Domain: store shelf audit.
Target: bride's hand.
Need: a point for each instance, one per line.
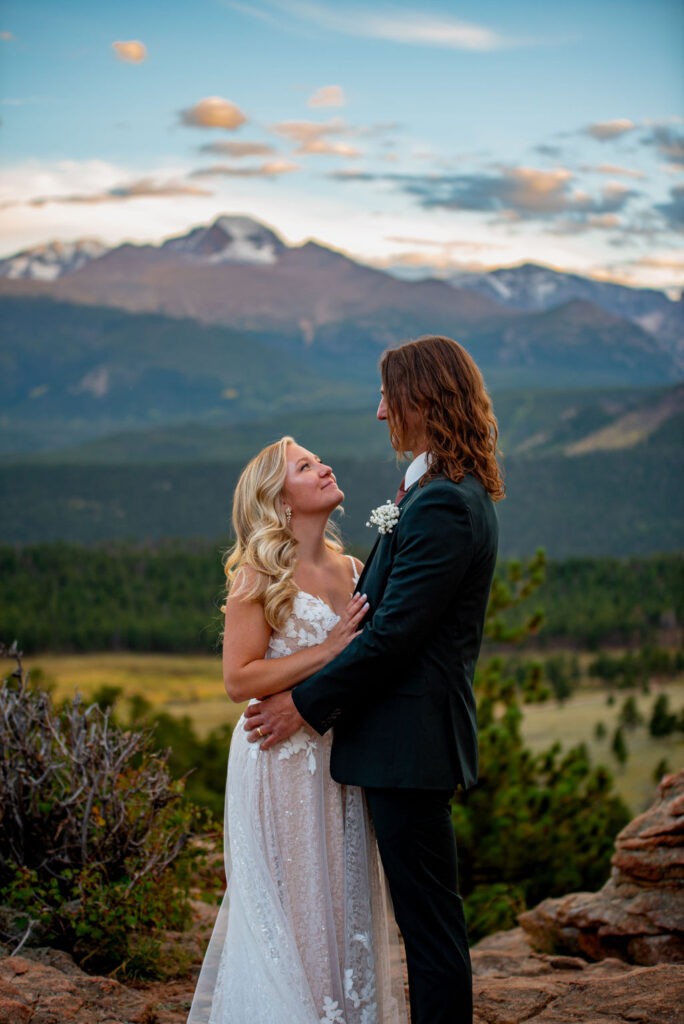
(344, 631)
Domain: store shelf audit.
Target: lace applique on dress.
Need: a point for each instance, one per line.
(302, 740)
(308, 625)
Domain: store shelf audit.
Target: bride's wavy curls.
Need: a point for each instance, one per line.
(263, 538)
(436, 378)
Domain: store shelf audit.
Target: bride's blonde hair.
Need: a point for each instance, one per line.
(263, 538)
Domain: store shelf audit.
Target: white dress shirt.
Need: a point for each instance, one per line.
(416, 469)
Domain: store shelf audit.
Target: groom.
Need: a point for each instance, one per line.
(401, 694)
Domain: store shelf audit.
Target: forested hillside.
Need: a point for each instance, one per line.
(603, 503)
(167, 596)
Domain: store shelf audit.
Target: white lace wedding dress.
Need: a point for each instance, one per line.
(305, 933)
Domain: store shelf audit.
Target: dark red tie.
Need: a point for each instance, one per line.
(401, 493)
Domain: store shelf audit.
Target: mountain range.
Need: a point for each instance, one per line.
(134, 378)
(532, 288)
(228, 323)
(239, 272)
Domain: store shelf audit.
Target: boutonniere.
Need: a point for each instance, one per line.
(385, 517)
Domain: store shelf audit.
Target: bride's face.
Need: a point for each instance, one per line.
(310, 485)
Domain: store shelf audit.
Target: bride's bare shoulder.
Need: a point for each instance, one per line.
(246, 585)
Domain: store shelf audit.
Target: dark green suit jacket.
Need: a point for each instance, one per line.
(401, 695)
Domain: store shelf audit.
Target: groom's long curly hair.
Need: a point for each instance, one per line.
(435, 379)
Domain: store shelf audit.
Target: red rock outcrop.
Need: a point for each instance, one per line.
(638, 915)
(513, 984)
(46, 987)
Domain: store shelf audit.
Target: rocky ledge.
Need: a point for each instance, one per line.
(588, 958)
(638, 915)
(512, 984)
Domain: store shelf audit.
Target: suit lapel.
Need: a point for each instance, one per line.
(411, 493)
(359, 585)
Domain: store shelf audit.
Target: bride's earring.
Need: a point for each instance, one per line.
(288, 515)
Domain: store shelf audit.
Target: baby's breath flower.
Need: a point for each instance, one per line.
(385, 517)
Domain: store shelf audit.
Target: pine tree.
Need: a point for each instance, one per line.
(536, 825)
(662, 723)
(619, 747)
(630, 716)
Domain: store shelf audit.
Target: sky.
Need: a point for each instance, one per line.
(436, 137)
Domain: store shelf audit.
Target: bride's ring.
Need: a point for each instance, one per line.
(259, 731)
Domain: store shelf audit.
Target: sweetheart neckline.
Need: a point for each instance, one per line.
(307, 593)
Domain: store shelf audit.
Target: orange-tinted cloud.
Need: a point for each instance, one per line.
(310, 136)
(6, 35)
(133, 51)
(213, 112)
(661, 262)
(620, 172)
(604, 130)
(269, 169)
(140, 189)
(237, 149)
(512, 193)
(323, 147)
(327, 96)
(302, 131)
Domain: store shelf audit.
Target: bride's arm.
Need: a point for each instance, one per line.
(247, 673)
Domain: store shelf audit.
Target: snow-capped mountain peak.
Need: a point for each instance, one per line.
(50, 261)
(229, 239)
(532, 288)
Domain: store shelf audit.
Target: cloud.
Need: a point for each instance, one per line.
(548, 150)
(460, 243)
(304, 131)
(213, 112)
(661, 262)
(411, 27)
(512, 194)
(594, 221)
(133, 51)
(624, 172)
(252, 11)
(323, 147)
(140, 189)
(604, 130)
(237, 149)
(516, 192)
(270, 169)
(673, 212)
(351, 174)
(668, 141)
(327, 96)
(6, 36)
(310, 136)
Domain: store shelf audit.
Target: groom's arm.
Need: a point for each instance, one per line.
(434, 550)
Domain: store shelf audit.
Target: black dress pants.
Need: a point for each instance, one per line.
(418, 850)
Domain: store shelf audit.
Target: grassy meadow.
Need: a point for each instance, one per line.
(574, 721)
(192, 685)
(181, 684)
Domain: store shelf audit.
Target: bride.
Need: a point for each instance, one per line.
(305, 933)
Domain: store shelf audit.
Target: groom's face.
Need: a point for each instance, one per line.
(415, 439)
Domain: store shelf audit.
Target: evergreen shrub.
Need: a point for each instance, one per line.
(93, 831)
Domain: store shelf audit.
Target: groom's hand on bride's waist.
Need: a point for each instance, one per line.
(272, 720)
